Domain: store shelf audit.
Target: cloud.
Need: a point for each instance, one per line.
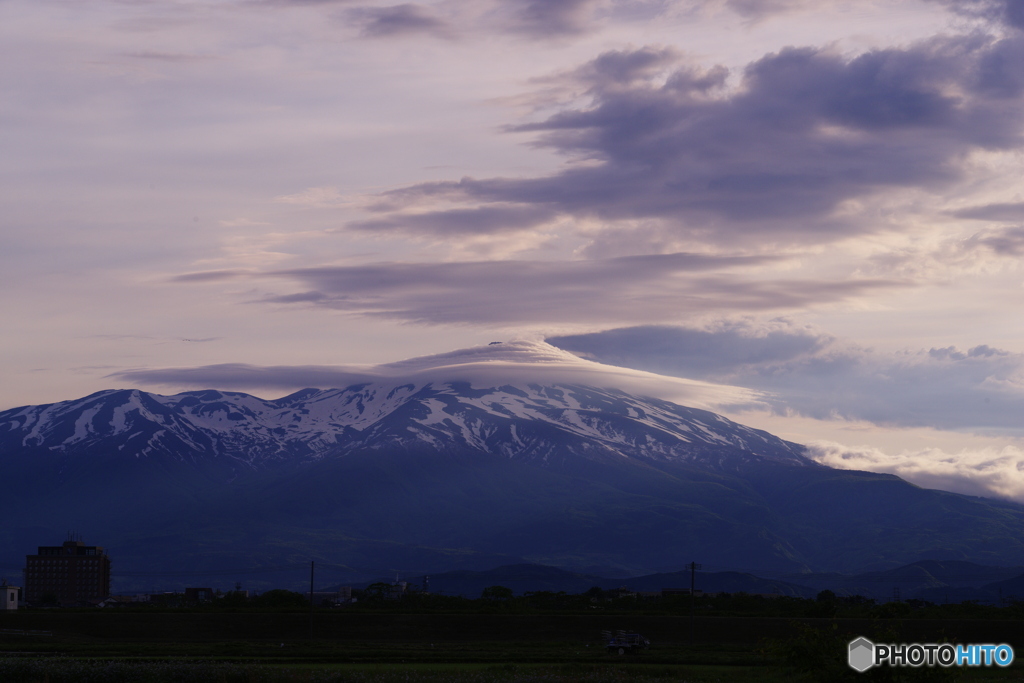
(209, 276)
(1009, 13)
(626, 67)
(514, 362)
(549, 18)
(243, 376)
(757, 9)
(1011, 211)
(170, 56)
(777, 156)
(314, 197)
(300, 3)
(482, 220)
(633, 288)
(695, 352)
(1005, 242)
(986, 472)
(807, 373)
(399, 20)
(531, 19)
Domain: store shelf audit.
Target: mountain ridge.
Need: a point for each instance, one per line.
(421, 472)
(312, 422)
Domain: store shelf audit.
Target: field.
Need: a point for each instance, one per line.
(111, 647)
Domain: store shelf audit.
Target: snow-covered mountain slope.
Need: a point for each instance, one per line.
(515, 421)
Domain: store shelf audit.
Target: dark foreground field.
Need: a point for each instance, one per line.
(115, 647)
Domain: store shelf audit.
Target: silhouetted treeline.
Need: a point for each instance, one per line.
(501, 600)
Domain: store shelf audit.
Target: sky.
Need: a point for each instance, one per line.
(817, 206)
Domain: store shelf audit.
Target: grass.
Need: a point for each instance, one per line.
(73, 670)
(113, 647)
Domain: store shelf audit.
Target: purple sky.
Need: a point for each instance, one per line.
(820, 202)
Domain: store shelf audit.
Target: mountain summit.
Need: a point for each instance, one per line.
(504, 452)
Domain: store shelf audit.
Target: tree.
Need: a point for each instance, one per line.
(377, 592)
(496, 593)
(279, 598)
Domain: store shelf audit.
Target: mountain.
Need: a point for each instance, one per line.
(528, 423)
(454, 468)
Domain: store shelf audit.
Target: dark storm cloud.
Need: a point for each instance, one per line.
(806, 130)
(806, 373)
(398, 20)
(636, 289)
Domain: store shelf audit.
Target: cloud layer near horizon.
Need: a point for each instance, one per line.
(987, 472)
(804, 372)
(515, 362)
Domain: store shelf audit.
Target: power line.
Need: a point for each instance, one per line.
(693, 567)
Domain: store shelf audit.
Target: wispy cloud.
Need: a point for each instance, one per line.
(1000, 211)
(315, 197)
(399, 20)
(1005, 242)
(549, 18)
(209, 276)
(244, 376)
(476, 221)
(636, 288)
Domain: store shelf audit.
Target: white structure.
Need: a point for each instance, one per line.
(9, 596)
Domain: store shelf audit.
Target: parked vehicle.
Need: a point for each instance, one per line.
(624, 642)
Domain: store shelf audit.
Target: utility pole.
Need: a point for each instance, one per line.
(311, 566)
(693, 570)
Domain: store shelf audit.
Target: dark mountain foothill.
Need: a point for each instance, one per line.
(429, 477)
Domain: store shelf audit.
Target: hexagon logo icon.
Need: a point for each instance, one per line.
(862, 654)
